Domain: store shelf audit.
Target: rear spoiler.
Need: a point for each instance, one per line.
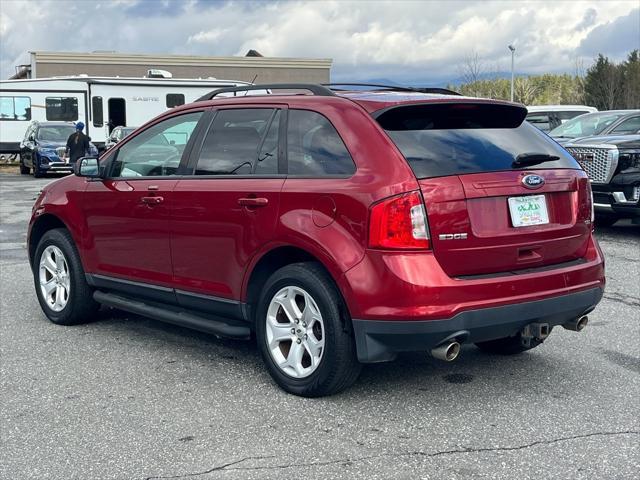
(451, 115)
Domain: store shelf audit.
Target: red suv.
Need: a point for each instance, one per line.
(339, 227)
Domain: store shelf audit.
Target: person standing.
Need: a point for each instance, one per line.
(77, 144)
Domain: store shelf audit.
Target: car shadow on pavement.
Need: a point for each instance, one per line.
(475, 372)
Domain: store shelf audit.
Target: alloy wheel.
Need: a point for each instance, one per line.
(55, 281)
(295, 332)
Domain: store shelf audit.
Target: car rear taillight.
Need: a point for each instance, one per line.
(590, 197)
(399, 222)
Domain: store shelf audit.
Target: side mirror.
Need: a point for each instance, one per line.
(32, 138)
(88, 167)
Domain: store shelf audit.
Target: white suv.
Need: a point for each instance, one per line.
(548, 117)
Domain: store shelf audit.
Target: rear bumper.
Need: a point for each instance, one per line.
(380, 340)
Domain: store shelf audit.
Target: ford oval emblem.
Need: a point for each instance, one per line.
(533, 181)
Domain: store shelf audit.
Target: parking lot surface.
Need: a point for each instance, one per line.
(126, 397)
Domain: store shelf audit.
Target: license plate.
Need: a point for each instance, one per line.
(529, 210)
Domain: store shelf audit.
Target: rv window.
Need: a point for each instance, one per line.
(175, 100)
(64, 109)
(15, 108)
(96, 111)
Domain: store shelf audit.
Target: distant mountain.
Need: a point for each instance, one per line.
(430, 82)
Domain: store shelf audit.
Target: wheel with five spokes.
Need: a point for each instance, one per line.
(63, 293)
(304, 332)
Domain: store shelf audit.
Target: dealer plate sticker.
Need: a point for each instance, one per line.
(529, 210)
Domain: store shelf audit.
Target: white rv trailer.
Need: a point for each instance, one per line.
(101, 103)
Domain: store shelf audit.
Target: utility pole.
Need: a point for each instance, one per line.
(513, 51)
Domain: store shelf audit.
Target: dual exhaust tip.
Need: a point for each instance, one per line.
(449, 351)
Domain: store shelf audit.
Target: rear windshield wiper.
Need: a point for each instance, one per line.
(528, 159)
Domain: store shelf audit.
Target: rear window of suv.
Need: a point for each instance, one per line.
(454, 139)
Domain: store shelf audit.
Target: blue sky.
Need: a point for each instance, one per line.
(415, 41)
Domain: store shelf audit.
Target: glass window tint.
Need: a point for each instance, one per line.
(586, 125)
(15, 108)
(630, 125)
(175, 100)
(540, 120)
(55, 133)
(314, 148)
(96, 111)
(232, 142)
(569, 114)
(158, 150)
(267, 163)
(441, 141)
(63, 109)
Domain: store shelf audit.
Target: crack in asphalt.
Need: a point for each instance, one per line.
(347, 461)
(211, 470)
(620, 298)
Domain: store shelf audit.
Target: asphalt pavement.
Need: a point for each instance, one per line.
(126, 397)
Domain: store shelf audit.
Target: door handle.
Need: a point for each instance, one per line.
(253, 202)
(152, 200)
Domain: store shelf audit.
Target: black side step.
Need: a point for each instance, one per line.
(165, 313)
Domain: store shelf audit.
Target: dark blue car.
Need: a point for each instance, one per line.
(43, 148)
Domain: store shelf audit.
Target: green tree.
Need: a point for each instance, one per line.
(631, 81)
(603, 84)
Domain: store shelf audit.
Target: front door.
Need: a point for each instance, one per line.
(128, 213)
(117, 113)
(228, 209)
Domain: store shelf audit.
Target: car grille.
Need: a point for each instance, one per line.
(597, 162)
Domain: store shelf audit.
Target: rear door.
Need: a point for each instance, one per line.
(227, 209)
(500, 195)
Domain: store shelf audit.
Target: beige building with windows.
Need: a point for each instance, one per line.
(251, 68)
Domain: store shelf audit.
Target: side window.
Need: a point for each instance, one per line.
(156, 151)
(630, 125)
(563, 116)
(64, 109)
(239, 142)
(15, 108)
(96, 111)
(174, 100)
(267, 163)
(540, 120)
(314, 147)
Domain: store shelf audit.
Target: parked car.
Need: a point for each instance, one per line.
(548, 117)
(610, 122)
(613, 165)
(42, 149)
(337, 227)
(117, 134)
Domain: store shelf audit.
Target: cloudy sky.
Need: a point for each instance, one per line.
(416, 41)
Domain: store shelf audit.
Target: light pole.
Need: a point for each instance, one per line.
(513, 51)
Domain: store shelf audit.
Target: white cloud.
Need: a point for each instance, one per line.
(397, 40)
(205, 37)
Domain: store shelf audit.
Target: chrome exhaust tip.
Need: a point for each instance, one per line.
(447, 352)
(577, 324)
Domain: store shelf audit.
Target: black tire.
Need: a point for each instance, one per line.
(80, 306)
(338, 367)
(36, 172)
(24, 170)
(606, 220)
(507, 346)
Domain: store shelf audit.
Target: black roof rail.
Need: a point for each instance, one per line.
(395, 88)
(314, 88)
